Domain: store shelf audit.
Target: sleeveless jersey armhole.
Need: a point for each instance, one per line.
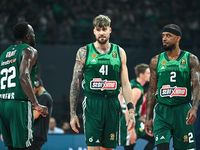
(86, 56)
(119, 56)
(20, 52)
(157, 64)
(189, 63)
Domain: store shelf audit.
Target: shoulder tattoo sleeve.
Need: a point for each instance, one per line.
(195, 79)
(152, 87)
(77, 78)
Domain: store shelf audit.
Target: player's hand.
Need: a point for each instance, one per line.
(142, 119)
(191, 115)
(1, 137)
(148, 127)
(43, 110)
(73, 122)
(130, 122)
(133, 136)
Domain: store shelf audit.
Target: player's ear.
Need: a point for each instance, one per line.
(178, 38)
(94, 30)
(28, 36)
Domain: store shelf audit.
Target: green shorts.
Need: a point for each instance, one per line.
(170, 121)
(125, 136)
(16, 123)
(139, 128)
(101, 120)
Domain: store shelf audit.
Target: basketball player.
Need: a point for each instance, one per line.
(172, 73)
(103, 65)
(18, 67)
(142, 73)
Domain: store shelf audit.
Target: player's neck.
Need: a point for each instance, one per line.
(139, 80)
(102, 48)
(41, 90)
(174, 54)
(18, 42)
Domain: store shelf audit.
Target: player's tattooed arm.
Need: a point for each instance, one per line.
(195, 78)
(152, 87)
(76, 79)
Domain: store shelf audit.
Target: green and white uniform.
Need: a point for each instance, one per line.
(100, 102)
(139, 126)
(16, 118)
(124, 135)
(173, 97)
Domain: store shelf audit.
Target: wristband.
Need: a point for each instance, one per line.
(130, 106)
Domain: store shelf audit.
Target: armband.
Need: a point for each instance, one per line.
(130, 106)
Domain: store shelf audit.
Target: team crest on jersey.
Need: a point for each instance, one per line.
(99, 84)
(185, 138)
(164, 62)
(183, 61)
(114, 54)
(167, 91)
(94, 55)
(112, 136)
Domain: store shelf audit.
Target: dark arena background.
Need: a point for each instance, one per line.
(63, 26)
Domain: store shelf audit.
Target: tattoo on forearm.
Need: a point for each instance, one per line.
(76, 80)
(195, 78)
(131, 117)
(152, 87)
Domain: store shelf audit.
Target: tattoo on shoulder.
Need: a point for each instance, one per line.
(195, 73)
(194, 62)
(154, 62)
(81, 55)
(195, 68)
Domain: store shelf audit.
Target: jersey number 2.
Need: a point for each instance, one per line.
(190, 135)
(9, 78)
(173, 77)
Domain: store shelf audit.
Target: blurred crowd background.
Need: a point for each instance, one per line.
(135, 24)
(70, 21)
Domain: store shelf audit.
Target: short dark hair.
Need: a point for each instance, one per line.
(38, 82)
(102, 21)
(20, 30)
(140, 68)
(173, 26)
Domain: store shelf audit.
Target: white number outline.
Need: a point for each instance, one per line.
(172, 77)
(190, 135)
(104, 70)
(8, 78)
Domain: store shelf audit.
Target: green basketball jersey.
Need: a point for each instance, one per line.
(10, 87)
(174, 84)
(135, 84)
(102, 71)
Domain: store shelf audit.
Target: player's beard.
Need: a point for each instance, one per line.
(102, 41)
(169, 48)
(32, 42)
